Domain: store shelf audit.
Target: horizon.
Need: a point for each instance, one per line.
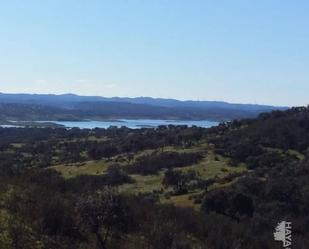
(236, 52)
(151, 97)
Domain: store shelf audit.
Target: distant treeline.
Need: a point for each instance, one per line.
(34, 147)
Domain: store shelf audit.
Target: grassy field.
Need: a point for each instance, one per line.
(86, 168)
(212, 166)
(144, 184)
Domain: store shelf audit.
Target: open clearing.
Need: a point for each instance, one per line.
(212, 166)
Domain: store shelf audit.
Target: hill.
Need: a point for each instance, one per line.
(73, 107)
(171, 187)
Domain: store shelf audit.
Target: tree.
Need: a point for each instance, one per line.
(177, 180)
(102, 214)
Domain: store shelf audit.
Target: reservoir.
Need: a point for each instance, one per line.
(133, 123)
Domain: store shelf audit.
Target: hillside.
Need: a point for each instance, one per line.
(73, 107)
(171, 187)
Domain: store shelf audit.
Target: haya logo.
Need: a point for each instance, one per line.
(283, 232)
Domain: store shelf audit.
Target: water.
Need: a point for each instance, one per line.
(11, 126)
(134, 123)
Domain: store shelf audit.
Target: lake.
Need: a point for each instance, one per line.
(134, 123)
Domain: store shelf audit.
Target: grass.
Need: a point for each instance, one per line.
(214, 166)
(87, 168)
(290, 152)
(211, 166)
(89, 138)
(299, 155)
(181, 200)
(143, 184)
(17, 145)
(197, 148)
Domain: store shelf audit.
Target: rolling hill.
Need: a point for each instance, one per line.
(74, 107)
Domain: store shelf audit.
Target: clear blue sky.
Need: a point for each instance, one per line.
(239, 51)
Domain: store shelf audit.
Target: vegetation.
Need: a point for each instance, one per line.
(173, 187)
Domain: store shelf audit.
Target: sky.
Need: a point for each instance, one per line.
(242, 51)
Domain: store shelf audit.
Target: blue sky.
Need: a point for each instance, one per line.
(242, 51)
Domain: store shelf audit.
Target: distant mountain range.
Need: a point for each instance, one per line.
(35, 107)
